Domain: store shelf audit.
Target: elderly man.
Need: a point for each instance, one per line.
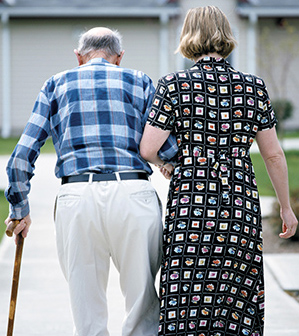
(106, 207)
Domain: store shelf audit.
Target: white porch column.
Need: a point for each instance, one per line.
(164, 45)
(180, 60)
(252, 43)
(6, 118)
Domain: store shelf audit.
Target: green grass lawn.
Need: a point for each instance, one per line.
(264, 184)
(3, 212)
(8, 145)
(291, 134)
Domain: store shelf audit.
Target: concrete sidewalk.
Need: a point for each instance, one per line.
(43, 302)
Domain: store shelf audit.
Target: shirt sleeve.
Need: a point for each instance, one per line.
(149, 91)
(169, 149)
(20, 166)
(267, 118)
(161, 116)
(162, 112)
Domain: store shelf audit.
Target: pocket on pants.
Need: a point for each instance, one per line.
(68, 200)
(145, 195)
(148, 198)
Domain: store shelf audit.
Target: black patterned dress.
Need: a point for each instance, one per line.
(212, 281)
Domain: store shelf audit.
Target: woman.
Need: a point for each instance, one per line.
(212, 280)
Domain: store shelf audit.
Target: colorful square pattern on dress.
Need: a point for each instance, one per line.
(212, 281)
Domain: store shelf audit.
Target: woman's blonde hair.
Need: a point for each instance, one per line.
(206, 30)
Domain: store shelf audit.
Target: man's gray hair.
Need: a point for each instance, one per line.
(110, 44)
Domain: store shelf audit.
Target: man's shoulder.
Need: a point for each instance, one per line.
(135, 78)
(135, 73)
(67, 73)
(59, 79)
(128, 75)
(63, 74)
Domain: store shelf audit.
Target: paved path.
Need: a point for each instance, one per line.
(43, 303)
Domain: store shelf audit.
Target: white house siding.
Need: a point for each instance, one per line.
(242, 48)
(141, 44)
(39, 49)
(173, 58)
(43, 47)
(277, 65)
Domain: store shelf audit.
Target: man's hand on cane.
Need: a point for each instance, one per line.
(23, 226)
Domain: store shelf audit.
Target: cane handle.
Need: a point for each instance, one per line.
(11, 227)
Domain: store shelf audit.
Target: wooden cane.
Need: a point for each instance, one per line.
(16, 275)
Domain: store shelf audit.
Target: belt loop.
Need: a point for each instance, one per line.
(90, 178)
(117, 177)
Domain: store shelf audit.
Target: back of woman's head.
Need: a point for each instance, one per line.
(206, 30)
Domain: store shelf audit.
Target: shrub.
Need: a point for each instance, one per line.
(284, 110)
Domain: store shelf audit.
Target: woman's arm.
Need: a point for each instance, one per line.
(276, 165)
(152, 140)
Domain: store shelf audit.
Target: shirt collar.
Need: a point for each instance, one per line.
(209, 59)
(98, 60)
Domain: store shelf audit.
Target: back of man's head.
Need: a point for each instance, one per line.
(100, 39)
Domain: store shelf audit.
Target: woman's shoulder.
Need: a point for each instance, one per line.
(247, 77)
(176, 76)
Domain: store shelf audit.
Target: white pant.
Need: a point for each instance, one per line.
(121, 220)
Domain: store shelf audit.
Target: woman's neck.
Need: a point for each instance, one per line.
(214, 55)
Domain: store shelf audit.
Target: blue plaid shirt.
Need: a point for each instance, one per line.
(95, 114)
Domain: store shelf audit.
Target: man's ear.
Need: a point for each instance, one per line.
(79, 57)
(119, 58)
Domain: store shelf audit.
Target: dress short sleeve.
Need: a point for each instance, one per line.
(161, 114)
(267, 118)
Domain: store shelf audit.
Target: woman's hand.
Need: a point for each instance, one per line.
(276, 165)
(289, 223)
(167, 170)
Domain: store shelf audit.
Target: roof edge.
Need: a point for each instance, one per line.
(90, 12)
(247, 11)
